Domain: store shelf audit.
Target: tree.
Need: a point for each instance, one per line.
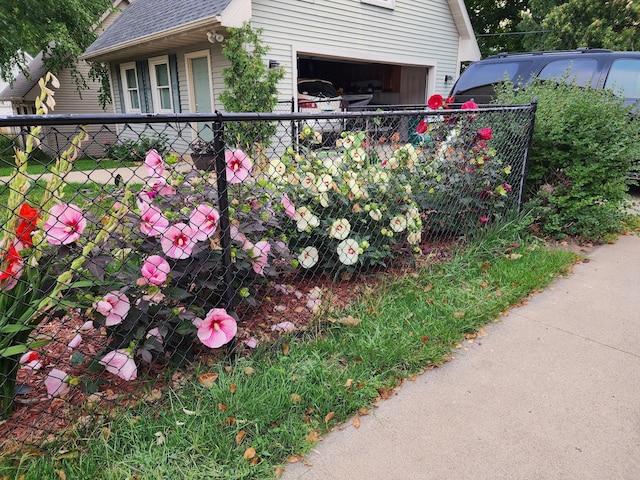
(494, 23)
(61, 29)
(584, 23)
(249, 87)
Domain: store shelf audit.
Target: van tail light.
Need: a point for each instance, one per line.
(306, 104)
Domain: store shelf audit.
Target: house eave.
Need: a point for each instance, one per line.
(195, 32)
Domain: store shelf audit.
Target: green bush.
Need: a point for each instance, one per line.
(135, 151)
(584, 146)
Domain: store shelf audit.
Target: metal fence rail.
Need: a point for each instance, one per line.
(201, 233)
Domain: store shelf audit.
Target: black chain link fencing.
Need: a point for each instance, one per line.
(158, 239)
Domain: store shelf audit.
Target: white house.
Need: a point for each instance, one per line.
(165, 56)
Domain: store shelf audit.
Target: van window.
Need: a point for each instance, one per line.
(624, 77)
(479, 80)
(579, 70)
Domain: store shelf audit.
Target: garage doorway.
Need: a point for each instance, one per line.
(387, 84)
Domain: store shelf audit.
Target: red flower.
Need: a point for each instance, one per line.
(422, 127)
(29, 218)
(435, 101)
(485, 133)
(448, 102)
(470, 105)
(10, 268)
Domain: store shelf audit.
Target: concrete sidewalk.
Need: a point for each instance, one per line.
(552, 393)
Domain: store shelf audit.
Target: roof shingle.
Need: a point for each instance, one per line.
(146, 17)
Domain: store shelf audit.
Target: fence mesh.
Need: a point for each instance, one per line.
(132, 243)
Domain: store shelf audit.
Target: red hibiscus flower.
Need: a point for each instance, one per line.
(422, 127)
(435, 101)
(485, 133)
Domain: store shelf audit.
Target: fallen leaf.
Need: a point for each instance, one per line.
(363, 411)
(285, 349)
(313, 437)
(233, 387)
(458, 314)
(348, 321)
(207, 379)
(329, 416)
(427, 288)
(228, 368)
(249, 453)
(514, 256)
(295, 398)
(155, 395)
(179, 424)
(278, 472)
(222, 407)
(61, 474)
(249, 371)
(188, 412)
(160, 438)
(356, 421)
(424, 339)
(240, 436)
(348, 382)
(254, 461)
(293, 459)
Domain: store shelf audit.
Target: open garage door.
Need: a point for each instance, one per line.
(368, 82)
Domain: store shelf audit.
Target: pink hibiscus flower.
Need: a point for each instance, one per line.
(114, 306)
(204, 219)
(152, 221)
(217, 328)
(65, 224)
(154, 270)
(289, 207)
(485, 133)
(470, 105)
(260, 251)
(178, 241)
(120, 363)
(56, 383)
(154, 163)
(238, 166)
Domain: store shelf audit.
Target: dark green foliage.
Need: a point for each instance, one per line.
(136, 150)
(584, 146)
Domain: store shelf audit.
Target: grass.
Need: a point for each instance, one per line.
(81, 164)
(278, 403)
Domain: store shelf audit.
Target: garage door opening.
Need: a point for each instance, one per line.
(383, 84)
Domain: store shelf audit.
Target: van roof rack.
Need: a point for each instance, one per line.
(551, 52)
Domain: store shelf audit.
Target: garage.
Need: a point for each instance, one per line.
(368, 82)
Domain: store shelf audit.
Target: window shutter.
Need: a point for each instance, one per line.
(175, 85)
(144, 80)
(120, 89)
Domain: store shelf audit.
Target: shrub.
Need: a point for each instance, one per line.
(132, 151)
(584, 145)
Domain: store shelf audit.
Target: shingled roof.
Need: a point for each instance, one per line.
(148, 17)
(23, 84)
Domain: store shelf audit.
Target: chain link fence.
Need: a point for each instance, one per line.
(130, 243)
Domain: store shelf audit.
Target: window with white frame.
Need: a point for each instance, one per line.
(161, 85)
(381, 3)
(130, 90)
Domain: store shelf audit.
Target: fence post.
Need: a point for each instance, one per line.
(527, 153)
(223, 204)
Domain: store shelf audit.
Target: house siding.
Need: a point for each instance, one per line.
(351, 29)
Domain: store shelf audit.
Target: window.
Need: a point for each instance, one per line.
(130, 90)
(624, 78)
(160, 85)
(579, 70)
(381, 3)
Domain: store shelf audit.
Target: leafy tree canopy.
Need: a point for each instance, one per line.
(61, 29)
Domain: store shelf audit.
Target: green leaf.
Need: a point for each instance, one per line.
(13, 351)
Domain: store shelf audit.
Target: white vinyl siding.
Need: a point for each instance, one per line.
(130, 90)
(161, 84)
